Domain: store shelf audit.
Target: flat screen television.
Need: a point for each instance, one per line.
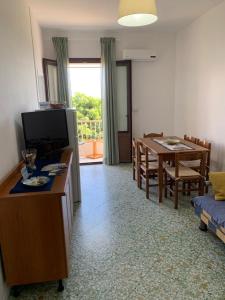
(45, 130)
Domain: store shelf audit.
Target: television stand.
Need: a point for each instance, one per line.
(36, 230)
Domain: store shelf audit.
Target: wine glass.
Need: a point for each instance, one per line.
(29, 156)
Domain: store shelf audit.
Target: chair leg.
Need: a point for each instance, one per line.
(165, 186)
(184, 187)
(171, 187)
(134, 172)
(207, 179)
(189, 187)
(176, 195)
(138, 178)
(60, 286)
(147, 186)
(206, 186)
(140, 181)
(201, 187)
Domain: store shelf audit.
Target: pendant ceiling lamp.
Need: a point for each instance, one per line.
(134, 13)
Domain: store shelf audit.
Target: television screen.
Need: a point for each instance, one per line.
(45, 130)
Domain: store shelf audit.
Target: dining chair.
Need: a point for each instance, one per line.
(208, 146)
(145, 169)
(191, 139)
(134, 158)
(195, 165)
(152, 157)
(181, 174)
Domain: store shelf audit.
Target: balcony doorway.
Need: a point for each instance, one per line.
(85, 78)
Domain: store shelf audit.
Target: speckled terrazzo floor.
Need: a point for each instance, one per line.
(126, 247)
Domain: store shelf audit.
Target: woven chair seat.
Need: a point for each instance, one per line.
(151, 158)
(191, 164)
(184, 172)
(152, 166)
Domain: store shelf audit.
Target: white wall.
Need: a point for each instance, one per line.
(17, 84)
(153, 82)
(200, 81)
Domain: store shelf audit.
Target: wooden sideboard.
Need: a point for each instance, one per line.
(36, 229)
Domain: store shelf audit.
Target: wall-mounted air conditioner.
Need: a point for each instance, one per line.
(139, 55)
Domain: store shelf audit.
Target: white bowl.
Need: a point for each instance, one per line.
(172, 141)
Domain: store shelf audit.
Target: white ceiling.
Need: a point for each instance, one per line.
(102, 14)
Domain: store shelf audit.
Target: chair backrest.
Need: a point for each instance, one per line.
(191, 139)
(189, 156)
(134, 148)
(152, 135)
(207, 145)
(142, 152)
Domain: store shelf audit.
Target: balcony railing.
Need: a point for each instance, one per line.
(90, 130)
(90, 134)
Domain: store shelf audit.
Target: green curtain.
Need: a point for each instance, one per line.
(110, 127)
(62, 56)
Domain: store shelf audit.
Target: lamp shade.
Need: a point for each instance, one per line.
(133, 13)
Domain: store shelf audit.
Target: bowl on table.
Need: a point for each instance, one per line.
(172, 141)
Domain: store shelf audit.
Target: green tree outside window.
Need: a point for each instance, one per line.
(89, 110)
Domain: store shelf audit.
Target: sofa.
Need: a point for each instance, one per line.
(211, 213)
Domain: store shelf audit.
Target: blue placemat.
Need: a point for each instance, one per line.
(21, 188)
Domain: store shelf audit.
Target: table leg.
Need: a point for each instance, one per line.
(160, 179)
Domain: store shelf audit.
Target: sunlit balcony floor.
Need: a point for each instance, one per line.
(87, 160)
(91, 151)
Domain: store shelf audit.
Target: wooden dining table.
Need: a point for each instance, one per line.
(164, 154)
